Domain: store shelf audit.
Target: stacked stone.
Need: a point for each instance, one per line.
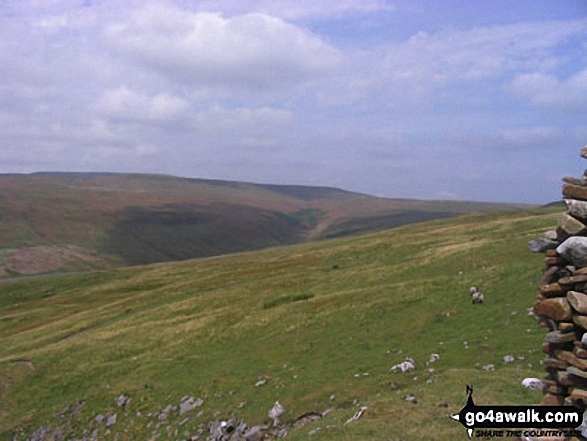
(562, 303)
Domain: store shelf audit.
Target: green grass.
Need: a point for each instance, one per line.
(317, 321)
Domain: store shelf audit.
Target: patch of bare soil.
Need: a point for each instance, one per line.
(37, 260)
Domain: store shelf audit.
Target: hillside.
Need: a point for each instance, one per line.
(80, 221)
(315, 326)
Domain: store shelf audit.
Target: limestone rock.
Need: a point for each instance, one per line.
(580, 352)
(552, 289)
(570, 358)
(577, 372)
(111, 421)
(567, 327)
(552, 400)
(558, 337)
(579, 396)
(557, 308)
(580, 320)
(574, 249)
(575, 192)
(584, 152)
(554, 363)
(573, 280)
(577, 208)
(578, 301)
(275, 412)
(574, 181)
(570, 225)
(188, 403)
(549, 275)
(542, 244)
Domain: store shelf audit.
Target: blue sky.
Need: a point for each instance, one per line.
(468, 100)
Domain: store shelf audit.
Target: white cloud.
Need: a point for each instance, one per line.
(252, 50)
(220, 119)
(547, 92)
(418, 71)
(53, 23)
(126, 104)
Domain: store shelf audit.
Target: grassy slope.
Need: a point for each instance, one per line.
(136, 219)
(212, 328)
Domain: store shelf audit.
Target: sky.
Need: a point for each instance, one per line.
(480, 100)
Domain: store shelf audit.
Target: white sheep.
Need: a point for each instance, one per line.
(477, 298)
(404, 366)
(532, 383)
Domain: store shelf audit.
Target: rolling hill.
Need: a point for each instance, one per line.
(81, 221)
(316, 326)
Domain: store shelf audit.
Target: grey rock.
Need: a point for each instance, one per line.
(558, 337)
(577, 208)
(255, 433)
(41, 434)
(551, 235)
(574, 249)
(100, 418)
(111, 421)
(188, 403)
(275, 412)
(542, 244)
(122, 400)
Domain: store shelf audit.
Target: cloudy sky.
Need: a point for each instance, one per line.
(473, 100)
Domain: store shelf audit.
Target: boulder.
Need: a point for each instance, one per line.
(558, 337)
(570, 225)
(541, 245)
(574, 250)
(575, 192)
(580, 320)
(578, 301)
(556, 308)
(577, 208)
(570, 358)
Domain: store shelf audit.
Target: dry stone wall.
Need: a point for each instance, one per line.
(561, 305)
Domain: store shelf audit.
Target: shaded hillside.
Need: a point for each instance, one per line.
(316, 326)
(118, 219)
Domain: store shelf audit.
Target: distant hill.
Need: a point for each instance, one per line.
(76, 221)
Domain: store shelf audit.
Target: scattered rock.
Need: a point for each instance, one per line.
(262, 381)
(275, 412)
(508, 359)
(489, 368)
(111, 420)
(307, 418)
(188, 403)
(357, 415)
(122, 401)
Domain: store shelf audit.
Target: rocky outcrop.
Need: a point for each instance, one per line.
(561, 305)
